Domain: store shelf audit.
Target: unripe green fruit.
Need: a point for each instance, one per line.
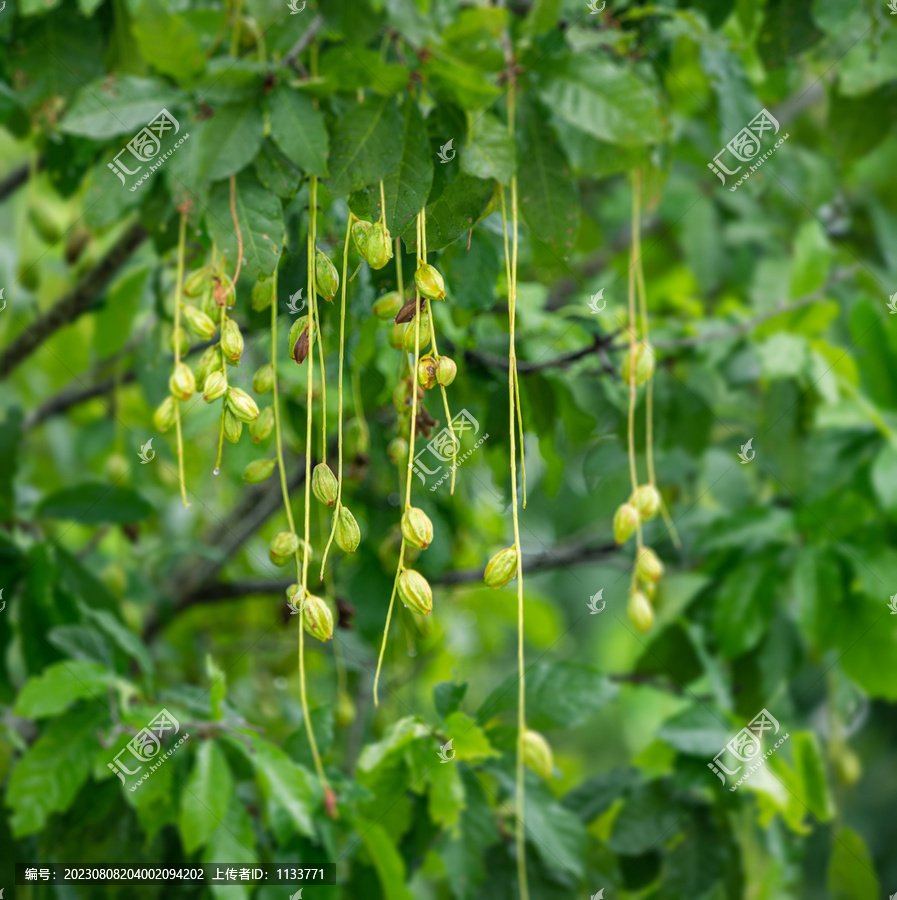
(262, 427)
(263, 380)
(446, 370)
(208, 362)
(429, 282)
(298, 339)
(258, 470)
(415, 591)
(396, 336)
(640, 612)
(646, 499)
(537, 754)
(426, 372)
(644, 365)
(848, 767)
(408, 340)
(215, 386)
(233, 427)
(326, 276)
(199, 323)
(324, 484)
(197, 283)
(231, 342)
(347, 534)
(262, 294)
(344, 714)
(166, 414)
(378, 250)
(242, 405)
(417, 528)
(397, 451)
(283, 547)
(388, 305)
(317, 618)
(182, 384)
(501, 568)
(45, 222)
(117, 468)
(648, 567)
(360, 233)
(179, 341)
(626, 522)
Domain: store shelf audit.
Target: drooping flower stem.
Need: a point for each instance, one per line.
(182, 237)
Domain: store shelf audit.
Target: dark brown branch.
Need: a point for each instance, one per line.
(75, 303)
(17, 178)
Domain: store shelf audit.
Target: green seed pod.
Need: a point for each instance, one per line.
(209, 306)
(646, 499)
(324, 484)
(649, 589)
(262, 427)
(348, 534)
(258, 471)
(396, 336)
(446, 370)
(182, 384)
(429, 282)
(215, 386)
(326, 277)
(397, 451)
(242, 405)
(360, 232)
(263, 380)
(231, 342)
(293, 594)
(344, 714)
(378, 251)
(317, 618)
(117, 468)
(166, 414)
(262, 294)
(388, 305)
(298, 339)
(198, 282)
(537, 754)
(626, 521)
(415, 591)
(648, 568)
(208, 362)
(283, 547)
(233, 427)
(417, 528)
(179, 341)
(501, 568)
(199, 323)
(408, 339)
(644, 364)
(426, 372)
(640, 612)
(45, 221)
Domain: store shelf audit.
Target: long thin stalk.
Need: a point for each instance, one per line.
(182, 236)
(633, 338)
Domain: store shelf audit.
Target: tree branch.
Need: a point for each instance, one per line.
(18, 177)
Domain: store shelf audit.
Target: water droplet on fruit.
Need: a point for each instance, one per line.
(216, 471)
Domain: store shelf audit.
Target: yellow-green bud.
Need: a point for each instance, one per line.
(262, 426)
(233, 427)
(215, 386)
(501, 568)
(258, 470)
(298, 339)
(208, 362)
(326, 276)
(446, 370)
(347, 534)
(378, 250)
(283, 547)
(409, 338)
(626, 521)
(426, 372)
(182, 383)
(417, 528)
(429, 282)
(179, 341)
(640, 612)
(397, 451)
(643, 367)
(117, 468)
(166, 414)
(45, 221)
(396, 337)
(242, 405)
(646, 499)
(231, 342)
(388, 305)
(360, 232)
(537, 753)
(263, 380)
(198, 322)
(262, 294)
(344, 714)
(415, 591)
(196, 283)
(648, 567)
(317, 618)
(324, 484)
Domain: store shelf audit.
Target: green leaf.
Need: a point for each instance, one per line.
(490, 151)
(297, 128)
(230, 140)
(595, 795)
(92, 503)
(884, 477)
(386, 859)
(446, 796)
(366, 145)
(118, 104)
(234, 841)
(744, 604)
(276, 172)
(218, 690)
(60, 685)
(206, 796)
(851, 870)
(696, 731)
(80, 642)
(856, 124)
(543, 16)
(464, 84)
(695, 864)
(447, 697)
(261, 223)
(168, 41)
(10, 439)
(811, 777)
(468, 740)
(811, 261)
(787, 30)
(112, 324)
(126, 640)
(648, 820)
(555, 833)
